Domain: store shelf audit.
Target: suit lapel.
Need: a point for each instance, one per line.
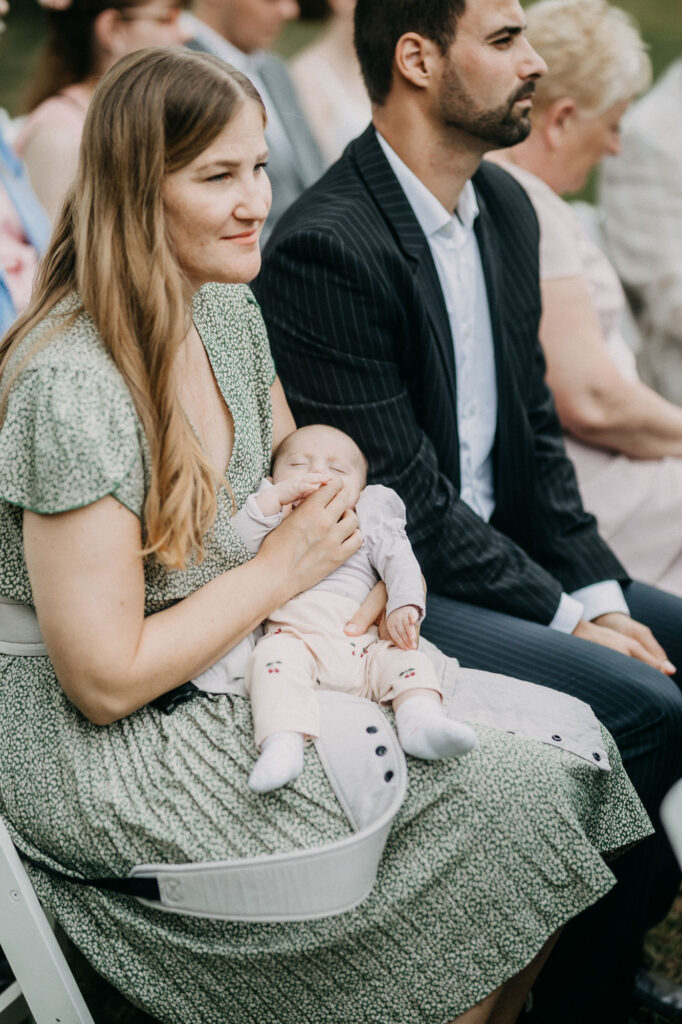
(389, 196)
(491, 273)
(507, 424)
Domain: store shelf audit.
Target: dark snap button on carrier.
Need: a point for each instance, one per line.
(556, 738)
(596, 756)
(380, 751)
(372, 728)
(388, 776)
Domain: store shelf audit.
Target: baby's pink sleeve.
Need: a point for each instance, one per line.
(382, 519)
(250, 523)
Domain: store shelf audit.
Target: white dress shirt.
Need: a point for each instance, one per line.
(457, 258)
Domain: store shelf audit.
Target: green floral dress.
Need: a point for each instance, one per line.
(488, 856)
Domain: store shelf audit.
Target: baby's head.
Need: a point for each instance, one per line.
(322, 449)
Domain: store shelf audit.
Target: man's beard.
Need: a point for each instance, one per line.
(499, 127)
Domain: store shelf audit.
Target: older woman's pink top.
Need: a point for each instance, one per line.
(637, 502)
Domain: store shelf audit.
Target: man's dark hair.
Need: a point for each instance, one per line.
(379, 24)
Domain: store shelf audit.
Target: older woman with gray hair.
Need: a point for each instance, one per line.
(625, 440)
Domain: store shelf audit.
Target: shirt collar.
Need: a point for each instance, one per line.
(248, 63)
(429, 211)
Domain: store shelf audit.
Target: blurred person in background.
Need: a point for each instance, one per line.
(328, 80)
(624, 439)
(641, 203)
(241, 32)
(24, 228)
(85, 38)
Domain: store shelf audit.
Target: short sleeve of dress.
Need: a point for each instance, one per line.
(69, 437)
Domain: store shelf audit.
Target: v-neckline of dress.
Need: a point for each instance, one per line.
(227, 399)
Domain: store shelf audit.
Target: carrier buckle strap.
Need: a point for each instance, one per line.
(147, 888)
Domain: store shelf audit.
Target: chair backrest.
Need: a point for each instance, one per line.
(671, 816)
(43, 975)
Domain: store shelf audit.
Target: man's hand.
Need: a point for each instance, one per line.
(621, 633)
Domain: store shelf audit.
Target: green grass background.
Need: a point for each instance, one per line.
(660, 21)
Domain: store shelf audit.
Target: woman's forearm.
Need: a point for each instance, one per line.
(595, 402)
(631, 419)
(88, 586)
(176, 644)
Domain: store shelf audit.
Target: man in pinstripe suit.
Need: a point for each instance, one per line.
(402, 298)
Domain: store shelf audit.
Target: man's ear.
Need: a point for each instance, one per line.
(557, 121)
(416, 59)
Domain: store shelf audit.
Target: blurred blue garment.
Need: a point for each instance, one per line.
(34, 220)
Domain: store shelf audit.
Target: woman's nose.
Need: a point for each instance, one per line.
(256, 199)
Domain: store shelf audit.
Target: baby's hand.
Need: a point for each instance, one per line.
(401, 625)
(292, 490)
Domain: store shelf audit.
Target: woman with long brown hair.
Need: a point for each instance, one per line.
(139, 407)
(84, 39)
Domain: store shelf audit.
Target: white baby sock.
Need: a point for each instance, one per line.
(280, 762)
(425, 731)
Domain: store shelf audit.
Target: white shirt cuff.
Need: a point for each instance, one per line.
(588, 603)
(600, 598)
(568, 614)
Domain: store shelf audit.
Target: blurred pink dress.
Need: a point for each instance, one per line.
(49, 142)
(637, 502)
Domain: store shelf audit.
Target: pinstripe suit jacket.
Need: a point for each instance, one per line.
(362, 340)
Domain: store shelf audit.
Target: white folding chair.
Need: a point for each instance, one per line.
(45, 988)
(671, 816)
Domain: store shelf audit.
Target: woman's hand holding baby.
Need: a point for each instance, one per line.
(402, 627)
(315, 539)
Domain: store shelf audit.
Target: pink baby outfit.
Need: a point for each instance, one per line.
(305, 647)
